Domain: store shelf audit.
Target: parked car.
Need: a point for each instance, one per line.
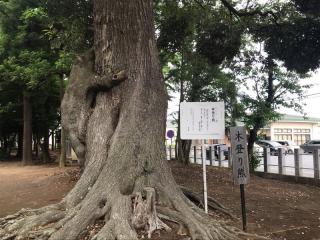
(310, 146)
(274, 146)
(223, 148)
(215, 151)
(258, 150)
(289, 145)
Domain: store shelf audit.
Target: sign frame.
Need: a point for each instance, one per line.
(202, 120)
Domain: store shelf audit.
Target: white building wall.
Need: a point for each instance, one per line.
(316, 131)
(313, 127)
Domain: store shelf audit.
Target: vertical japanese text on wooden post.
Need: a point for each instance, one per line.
(239, 155)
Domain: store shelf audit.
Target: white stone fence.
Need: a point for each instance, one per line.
(298, 165)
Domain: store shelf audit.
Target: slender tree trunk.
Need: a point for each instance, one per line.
(35, 145)
(1, 145)
(182, 149)
(27, 130)
(261, 120)
(182, 146)
(20, 143)
(5, 145)
(11, 144)
(45, 147)
(52, 140)
(63, 147)
(270, 97)
(120, 132)
(253, 137)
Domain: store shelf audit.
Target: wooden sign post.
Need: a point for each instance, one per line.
(202, 120)
(241, 175)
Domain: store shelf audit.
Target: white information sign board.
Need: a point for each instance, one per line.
(239, 154)
(202, 120)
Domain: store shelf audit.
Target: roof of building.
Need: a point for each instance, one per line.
(171, 123)
(289, 118)
(296, 118)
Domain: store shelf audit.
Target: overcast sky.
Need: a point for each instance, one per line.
(312, 99)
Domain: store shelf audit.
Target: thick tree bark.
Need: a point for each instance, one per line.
(63, 147)
(117, 128)
(27, 130)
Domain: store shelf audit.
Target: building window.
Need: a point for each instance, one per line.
(283, 130)
(300, 130)
(301, 138)
(283, 137)
(278, 130)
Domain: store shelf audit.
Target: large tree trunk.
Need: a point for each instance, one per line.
(119, 134)
(27, 130)
(63, 144)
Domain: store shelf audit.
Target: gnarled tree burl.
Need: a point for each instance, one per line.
(119, 130)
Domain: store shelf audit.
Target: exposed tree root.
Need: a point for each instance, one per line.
(145, 213)
(199, 224)
(24, 224)
(123, 215)
(212, 203)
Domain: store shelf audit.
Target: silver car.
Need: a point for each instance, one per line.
(310, 146)
(289, 145)
(274, 146)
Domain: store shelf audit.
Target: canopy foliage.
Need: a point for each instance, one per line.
(196, 39)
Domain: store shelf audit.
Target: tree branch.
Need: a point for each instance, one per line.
(257, 89)
(248, 13)
(200, 4)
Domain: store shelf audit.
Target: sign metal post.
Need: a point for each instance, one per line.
(202, 120)
(204, 163)
(170, 134)
(243, 208)
(240, 165)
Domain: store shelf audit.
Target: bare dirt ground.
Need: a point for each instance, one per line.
(277, 210)
(32, 186)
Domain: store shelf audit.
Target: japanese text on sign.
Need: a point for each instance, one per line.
(239, 155)
(202, 120)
